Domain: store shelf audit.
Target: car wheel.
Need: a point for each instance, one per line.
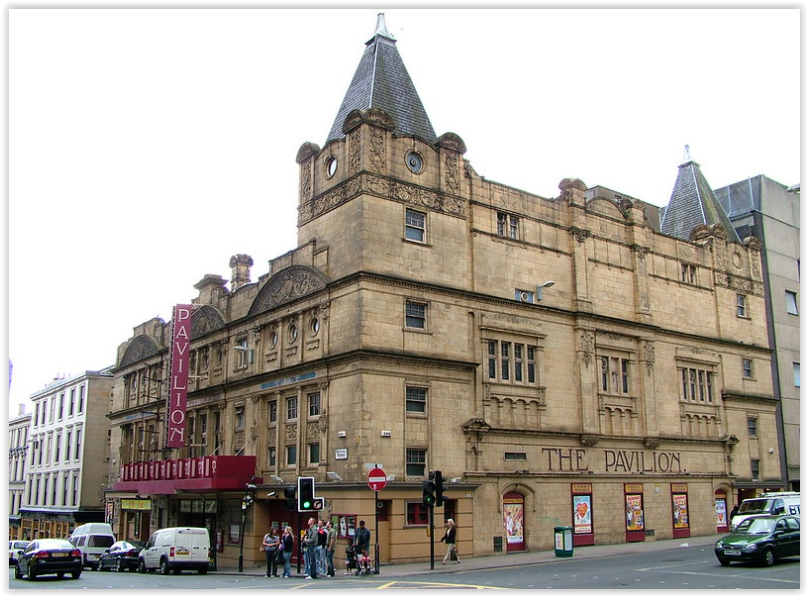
(164, 566)
(75, 575)
(17, 572)
(203, 570)
(116, 567)
(768, 557)
(141, 566)
(60, 575)
(31, 575)
(723, 562)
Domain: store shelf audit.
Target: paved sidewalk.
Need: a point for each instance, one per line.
(513, 558)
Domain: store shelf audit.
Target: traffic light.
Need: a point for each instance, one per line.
(305, 494)
(429, 492)
(291, 498)
(438, 489)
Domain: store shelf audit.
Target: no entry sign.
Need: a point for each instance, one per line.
(377, 480)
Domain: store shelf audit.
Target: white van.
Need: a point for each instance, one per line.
(777, 502)
(92, 540)
(177, 549)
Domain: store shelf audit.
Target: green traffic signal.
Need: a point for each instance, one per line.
(429, 493)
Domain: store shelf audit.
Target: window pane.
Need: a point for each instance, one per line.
(791, 302)
(415, 316)
(416, 400)
(415, 225)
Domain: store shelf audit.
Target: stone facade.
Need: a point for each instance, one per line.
(365, 345)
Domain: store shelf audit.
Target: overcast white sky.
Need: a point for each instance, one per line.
(148, 146)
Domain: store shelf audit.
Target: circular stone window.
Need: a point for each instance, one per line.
(414, 162)
(292, 332)
(315, 326)
(330, 167)
(273, 340)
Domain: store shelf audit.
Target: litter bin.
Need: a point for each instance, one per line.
(563, 542)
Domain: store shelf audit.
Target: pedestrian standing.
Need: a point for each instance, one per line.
(310, 541)
(288, 543)
(270, 544)
(330, 547)
(322, 539)
(362, 541)
(350, 557)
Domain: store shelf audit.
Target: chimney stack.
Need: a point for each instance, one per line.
(240, 265)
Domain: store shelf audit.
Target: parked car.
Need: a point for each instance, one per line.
(15, 548)
(121, 556)
(763, 539)
(49, 556)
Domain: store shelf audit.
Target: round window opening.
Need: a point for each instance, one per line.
(292, 333)
(414, 162)
(315, 326)
(330, 167)
(273, 340)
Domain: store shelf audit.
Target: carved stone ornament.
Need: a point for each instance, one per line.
(588, 441)
(580, 235)
(587, 347)
(640, 251)
(205, 319)
(140, 348)
(288, 284)
(306, 151)
(291, 433)
(453, 142)
(651, 443)
(374, 116)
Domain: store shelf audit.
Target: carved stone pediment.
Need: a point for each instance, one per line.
(206, 319)
(288, 284)
(140, 348)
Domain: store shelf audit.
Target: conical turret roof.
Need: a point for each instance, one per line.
(382, 81)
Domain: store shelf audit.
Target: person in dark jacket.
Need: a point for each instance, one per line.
(362, 540)
(449, 538)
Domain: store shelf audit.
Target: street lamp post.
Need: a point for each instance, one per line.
(245, 503)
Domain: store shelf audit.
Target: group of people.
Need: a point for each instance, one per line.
(320, 542)
(278, 549)
(357, 554)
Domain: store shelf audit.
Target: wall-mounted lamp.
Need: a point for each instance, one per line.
(546, 284)
(391, 477)
(276, 478)
(270, 494)
(333, 476)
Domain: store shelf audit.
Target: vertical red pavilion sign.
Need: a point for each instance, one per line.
(178, 397)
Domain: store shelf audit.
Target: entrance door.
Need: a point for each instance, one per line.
(513, 519)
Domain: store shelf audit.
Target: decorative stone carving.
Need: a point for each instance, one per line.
(588, 441)
(140, 348)
(354, 152)
(205, 319)
(383, 187)
(450, 179)
(288, 284)
(376, 153)
(651, 443)
(639, 251)
(291, 432)
(580, 235)
(312, 430)
(452, 141)
(587, 347)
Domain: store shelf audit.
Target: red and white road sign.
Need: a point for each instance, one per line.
(377, 480)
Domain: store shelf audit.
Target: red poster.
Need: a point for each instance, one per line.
(178, 397)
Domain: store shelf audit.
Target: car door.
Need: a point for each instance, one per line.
(780, 538)
(149, 552)
(793, 535)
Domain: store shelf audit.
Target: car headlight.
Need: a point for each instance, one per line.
(751, 547)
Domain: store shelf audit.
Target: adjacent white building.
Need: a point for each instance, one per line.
(18, 429)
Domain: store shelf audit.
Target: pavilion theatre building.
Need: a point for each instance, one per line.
(558, 359)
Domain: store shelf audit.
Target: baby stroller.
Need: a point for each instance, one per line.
(365, 565)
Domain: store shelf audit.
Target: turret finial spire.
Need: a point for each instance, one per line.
(686, 158)
(381, 27)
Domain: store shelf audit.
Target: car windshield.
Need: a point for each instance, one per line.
(755, 526)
